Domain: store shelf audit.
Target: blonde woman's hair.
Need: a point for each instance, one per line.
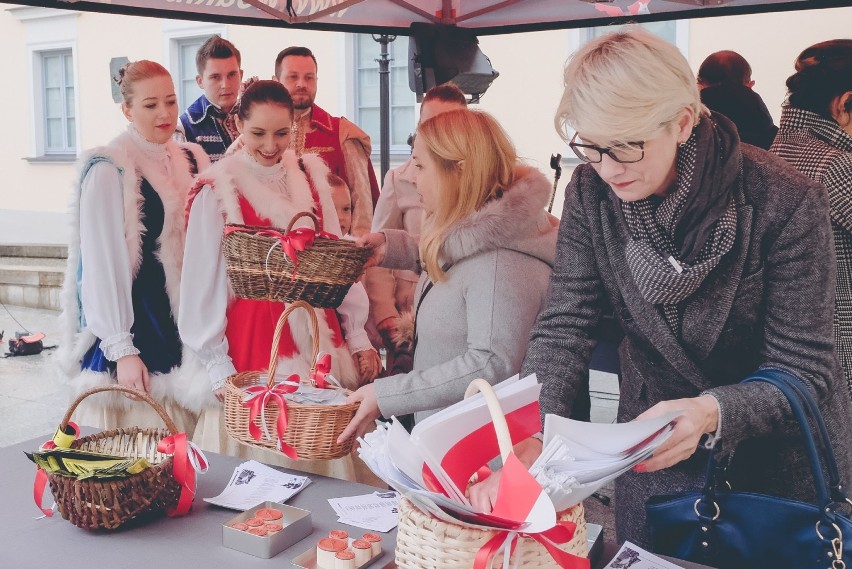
(476, 162)
(136, 71)
(626, 87)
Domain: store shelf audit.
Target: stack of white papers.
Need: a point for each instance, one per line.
(377, 511)
(432, 466)
(253, 482)
(578, 458)
(309, 395)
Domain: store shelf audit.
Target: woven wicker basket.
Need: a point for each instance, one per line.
(311, 429)
(424, 542)
(259, 269)
(108, 504)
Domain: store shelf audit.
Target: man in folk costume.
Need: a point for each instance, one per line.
(207, 121)
(230, 334)
(344, 147)
(121, 292)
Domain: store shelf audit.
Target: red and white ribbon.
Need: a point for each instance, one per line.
(505, 540)
(322, 375)
(187, 460)
(257, 398)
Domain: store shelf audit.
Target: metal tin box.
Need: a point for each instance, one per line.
(297, 526)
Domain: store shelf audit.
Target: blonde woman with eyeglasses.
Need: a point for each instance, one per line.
(717, 260)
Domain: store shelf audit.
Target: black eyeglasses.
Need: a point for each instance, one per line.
(625, 153)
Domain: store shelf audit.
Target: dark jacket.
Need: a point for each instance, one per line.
(201, 123)
(768, 303)
(746, 109)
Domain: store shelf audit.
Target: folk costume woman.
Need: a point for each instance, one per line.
(122, 285)
(261, 184)
(716, 257)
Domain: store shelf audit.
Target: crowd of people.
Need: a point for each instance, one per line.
(715, 256)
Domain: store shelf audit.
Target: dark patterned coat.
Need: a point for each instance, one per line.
(822, 151)
(768, 303)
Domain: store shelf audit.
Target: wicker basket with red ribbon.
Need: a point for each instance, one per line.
(307, 264)
(168, 485)
(258, 414)
(425, 542)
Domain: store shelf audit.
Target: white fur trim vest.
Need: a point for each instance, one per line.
(125, 155)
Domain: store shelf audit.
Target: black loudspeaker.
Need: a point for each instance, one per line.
(438, 54)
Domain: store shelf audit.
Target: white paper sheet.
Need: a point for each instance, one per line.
(632, 556)
(378, 511)
(253, 482)
(606, 438)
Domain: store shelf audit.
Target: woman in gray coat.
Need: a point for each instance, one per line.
(717, 260)
(816, 137)
(485, 256)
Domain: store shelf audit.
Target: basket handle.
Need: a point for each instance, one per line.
(141, 395)
(299, 216)
(498, 418)
(279, 329)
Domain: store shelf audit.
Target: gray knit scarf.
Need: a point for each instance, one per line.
(677, 241)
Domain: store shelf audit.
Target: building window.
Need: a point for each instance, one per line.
(57, 79)
(185, 50)
(403, 116)
(673, 31)
(181, 40)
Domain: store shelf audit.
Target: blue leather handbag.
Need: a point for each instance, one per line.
(724, 528)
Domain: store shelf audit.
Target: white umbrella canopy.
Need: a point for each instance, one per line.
(484, 17)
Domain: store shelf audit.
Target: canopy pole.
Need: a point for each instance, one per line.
(384, 101)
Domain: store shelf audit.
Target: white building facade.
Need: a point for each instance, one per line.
(59, 98)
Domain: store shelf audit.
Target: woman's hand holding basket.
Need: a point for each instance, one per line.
(367, 413)
(378, 243)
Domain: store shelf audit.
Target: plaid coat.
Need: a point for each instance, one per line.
(821, 150)
(768, 303)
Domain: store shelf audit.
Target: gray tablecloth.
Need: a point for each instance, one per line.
(190, 542)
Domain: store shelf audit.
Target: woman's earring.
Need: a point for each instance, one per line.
(681, 144)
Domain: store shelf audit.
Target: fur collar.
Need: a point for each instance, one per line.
(517, 221)
(230, 178)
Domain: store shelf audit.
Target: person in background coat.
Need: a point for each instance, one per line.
(726, 86)
(716, 257)
(816, 138)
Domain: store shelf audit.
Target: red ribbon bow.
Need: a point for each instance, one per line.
(323, 369)
(259, 395)
(562, 532)
(297, 240)
(187, 460)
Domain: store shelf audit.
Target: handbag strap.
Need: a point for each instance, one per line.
(796, 393)
(835, 484)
